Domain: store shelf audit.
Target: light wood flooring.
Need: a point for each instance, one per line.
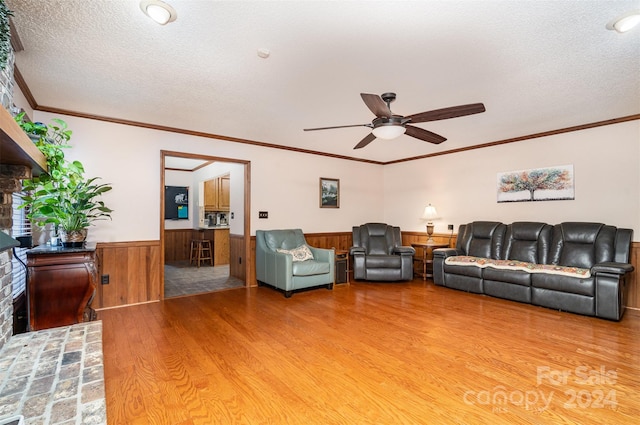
(367, 353)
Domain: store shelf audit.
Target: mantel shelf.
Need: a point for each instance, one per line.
(16, 148)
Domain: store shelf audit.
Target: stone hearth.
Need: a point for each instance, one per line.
(54, 376)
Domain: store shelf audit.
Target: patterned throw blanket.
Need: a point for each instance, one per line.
(464, 260)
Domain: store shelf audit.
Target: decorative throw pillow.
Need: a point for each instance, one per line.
(301, 253)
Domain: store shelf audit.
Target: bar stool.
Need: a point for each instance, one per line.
(200, 251)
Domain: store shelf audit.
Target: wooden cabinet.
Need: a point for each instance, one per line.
(211, 194)
(61, 286)
(217, 194)
(224, 196)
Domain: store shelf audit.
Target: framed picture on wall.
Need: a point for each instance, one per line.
(329, 193)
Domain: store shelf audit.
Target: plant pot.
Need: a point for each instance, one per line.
(72, 238)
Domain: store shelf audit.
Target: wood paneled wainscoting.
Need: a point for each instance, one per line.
(236, 257)
(134, 273)
(421, 237)
(134, 267)
(633, 299)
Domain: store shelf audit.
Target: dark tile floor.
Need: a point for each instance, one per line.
(181, 279)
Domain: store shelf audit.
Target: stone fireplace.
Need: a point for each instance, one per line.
(52, 375)
(10, 182)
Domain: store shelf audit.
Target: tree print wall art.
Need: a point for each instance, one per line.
(540, 184)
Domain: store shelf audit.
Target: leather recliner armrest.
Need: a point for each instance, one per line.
(404, 250)
(445, 252)
(357, 250)
(612, 268)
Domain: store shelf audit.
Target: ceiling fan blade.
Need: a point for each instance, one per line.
(338, 126)
(422, 134)
(364, 142)
(446, 113)
(376, 105)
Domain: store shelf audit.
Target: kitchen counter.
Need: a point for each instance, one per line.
(178, 241)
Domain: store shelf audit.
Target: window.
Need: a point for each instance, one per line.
(21, 227)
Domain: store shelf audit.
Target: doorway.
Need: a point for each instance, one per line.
(183, 177)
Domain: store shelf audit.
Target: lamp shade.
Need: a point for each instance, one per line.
(388, 132)
(430, 213)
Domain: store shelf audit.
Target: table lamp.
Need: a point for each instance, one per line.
(429, 214)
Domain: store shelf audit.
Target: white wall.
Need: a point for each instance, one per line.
(462, 186)
(21, 101)
(284, 183)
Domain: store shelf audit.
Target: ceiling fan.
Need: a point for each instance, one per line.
(388, 125)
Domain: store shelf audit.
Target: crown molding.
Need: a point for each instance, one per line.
(34, 105)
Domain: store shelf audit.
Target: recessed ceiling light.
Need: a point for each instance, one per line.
(159, 11)
(626, 22)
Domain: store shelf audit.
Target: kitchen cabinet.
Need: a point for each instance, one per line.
(224, 195)
(217, 194)
(210, 194)
(61, 286)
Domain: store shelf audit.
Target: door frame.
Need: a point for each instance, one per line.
(247, 207)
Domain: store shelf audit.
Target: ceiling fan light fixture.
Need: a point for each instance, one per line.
(388, 131)
(625, 22)
(159, 11)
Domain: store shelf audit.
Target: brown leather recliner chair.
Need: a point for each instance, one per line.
(378, 253)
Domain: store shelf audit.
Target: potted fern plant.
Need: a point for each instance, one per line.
(63, 197)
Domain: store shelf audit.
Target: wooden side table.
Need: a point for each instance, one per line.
(342, 266)
(425, 261)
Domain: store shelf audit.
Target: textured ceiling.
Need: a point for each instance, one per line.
(536, 65)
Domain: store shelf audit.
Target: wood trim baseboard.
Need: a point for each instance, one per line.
(125, 305)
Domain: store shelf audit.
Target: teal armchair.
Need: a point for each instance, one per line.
(282, 261)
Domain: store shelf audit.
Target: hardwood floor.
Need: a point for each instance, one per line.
(407, 353)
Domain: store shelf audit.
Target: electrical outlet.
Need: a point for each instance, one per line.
(104, 279)
(263, 214)
(450, 227)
